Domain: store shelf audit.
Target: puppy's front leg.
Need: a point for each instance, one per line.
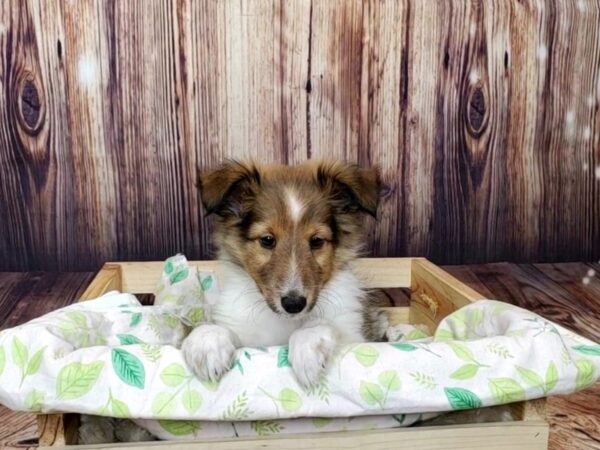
(311, 348)
(208, 351)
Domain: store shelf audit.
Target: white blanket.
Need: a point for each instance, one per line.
(112, 356)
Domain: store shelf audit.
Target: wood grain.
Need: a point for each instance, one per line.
(483, 115)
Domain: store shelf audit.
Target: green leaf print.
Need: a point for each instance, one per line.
(465, 372)
(266, 427)
(500, 350)
(416, 334)
(589, 350)
(462, 352)
(282, 357)
(196, 315)
(585, 374)
(366, 355)
(320, 422)
(321, 390)
(151, 352)
(179, 276)
(371, 393)
(289, 400)
(389, 380)
(34, 401)
(19, 353)
(238, 409)
(460, 398)
(207, 283)
(174, 374)
(551, 377)
(404, 346)
(427, 381)
(179, 427)
(506, 390)
(128, 368)
(77, 379)
(136, 318)
(2, 359)
(192, 400)
(210, 385)
(164, 404)
(119, 408)
(128, 339)
(168, 267)
(34, 363)
(442, 335)
(530, 377)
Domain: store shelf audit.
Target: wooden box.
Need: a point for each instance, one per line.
(433, 295)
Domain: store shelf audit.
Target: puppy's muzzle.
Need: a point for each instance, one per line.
(293, 302)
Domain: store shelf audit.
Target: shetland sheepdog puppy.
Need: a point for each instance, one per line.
(285, 237)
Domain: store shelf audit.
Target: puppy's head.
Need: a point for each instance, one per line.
(290, 228)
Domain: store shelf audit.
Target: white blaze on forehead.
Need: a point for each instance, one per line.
(294, 205)
(293, 281)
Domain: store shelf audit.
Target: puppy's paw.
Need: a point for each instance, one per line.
(310, 351)
(208, 351)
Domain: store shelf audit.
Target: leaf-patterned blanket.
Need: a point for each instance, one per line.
(113, 356)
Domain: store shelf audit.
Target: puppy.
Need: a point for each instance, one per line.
(285, 237)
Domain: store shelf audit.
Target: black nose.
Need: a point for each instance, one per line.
(293, 302)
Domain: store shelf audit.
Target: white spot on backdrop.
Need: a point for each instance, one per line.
(570, 124)
(587, 133)
(586, 280)
(472, 29)
(87, 70)
(542, 52)
(591, 273)
(597, 172)
(474, 76)
(581, 6)
(586, 166)
(590, 101)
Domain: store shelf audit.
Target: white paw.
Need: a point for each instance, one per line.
(208, 351)
(310, 351)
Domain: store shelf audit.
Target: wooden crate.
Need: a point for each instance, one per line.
(434, 295)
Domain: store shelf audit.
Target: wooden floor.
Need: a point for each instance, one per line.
(553, 290)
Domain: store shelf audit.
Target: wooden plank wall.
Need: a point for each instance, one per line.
(483, 114)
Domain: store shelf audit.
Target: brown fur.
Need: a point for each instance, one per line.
(251, 201)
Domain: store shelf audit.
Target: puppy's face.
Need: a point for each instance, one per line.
(290, 228)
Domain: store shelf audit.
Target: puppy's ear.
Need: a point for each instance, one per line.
(350, 188)
(227, 190)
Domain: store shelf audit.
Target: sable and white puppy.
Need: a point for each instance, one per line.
(285, 237)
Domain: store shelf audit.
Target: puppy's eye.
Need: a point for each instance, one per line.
(268, 242)
(316, 242)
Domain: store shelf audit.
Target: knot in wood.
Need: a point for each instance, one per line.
(476, 111)
(30, 107)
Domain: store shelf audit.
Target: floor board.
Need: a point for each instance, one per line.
(555, 291)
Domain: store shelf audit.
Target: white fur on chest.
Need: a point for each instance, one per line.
(242, 309)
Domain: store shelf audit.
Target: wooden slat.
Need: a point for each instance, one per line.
(492, 436)
(108, 279)
(435, 294)
(142, 277)
(397, 314)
